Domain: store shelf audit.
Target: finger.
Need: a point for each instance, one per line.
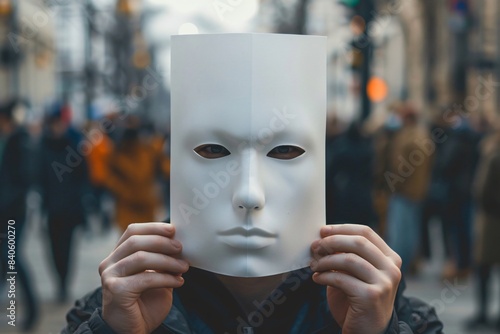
(136, 243)
(141, 282)
(348, 263)
(350, 244)
(348, 284)
(148, 243)
(354, 288)
(163, 229)
(142, 261)
(365, 231)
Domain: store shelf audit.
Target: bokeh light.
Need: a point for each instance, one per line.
(188, 29)
(377, 89)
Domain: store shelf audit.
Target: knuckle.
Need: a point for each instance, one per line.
(140, 256)
(111, 284)
(360, 242)
(387, 286)
(159, 242)
(374, 292)
(337, 279)
(332, 238)
(132, 229)
(350, 259)
(397, 260)
(395, 274)
(133, 241)
(102, 266)
(366, 231)
(325, 246)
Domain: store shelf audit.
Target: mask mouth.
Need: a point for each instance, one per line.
(252, 238)
(248, 232)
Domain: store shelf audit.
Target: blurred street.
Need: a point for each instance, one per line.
(412, 144)
(90, 251)
(453, 306)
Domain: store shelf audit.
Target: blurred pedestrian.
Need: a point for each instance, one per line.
(15, 180)
(161, 144)
(487, 223)
(408, 178)
(63, 184)
(351, 177)
(449, 195)
(134, 165)
(383, 142)
(98, 162)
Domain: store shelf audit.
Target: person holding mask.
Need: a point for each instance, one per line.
(247, 250)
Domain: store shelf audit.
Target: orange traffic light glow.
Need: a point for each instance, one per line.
(377, 89)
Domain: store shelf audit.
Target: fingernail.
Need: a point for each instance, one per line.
(183, 263)
(176, 244)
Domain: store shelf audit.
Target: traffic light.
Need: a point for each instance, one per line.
(377, 89)
(350, 3)
(362, 13)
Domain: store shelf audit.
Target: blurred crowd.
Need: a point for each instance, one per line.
(413, 171)
(118, 159)
(399, 177)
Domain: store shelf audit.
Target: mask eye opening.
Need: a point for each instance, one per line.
(211, 151)
(286, 152)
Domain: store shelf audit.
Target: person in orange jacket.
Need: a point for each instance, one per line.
(132, 173)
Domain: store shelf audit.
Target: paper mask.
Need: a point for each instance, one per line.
(247, 155)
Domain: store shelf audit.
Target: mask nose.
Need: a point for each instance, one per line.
(249, 193)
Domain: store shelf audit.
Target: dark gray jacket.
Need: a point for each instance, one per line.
(204, 305)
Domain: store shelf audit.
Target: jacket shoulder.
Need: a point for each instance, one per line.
(85, 316)
(415, 316)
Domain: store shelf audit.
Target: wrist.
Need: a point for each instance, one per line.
(392, 324)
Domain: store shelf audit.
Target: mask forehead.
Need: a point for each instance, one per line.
(247, 83)
(292, 79)
(211, 80)
(253, 92)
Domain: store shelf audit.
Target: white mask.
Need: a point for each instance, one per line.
(247, 154)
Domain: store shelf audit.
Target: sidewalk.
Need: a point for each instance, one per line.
(90, 250)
